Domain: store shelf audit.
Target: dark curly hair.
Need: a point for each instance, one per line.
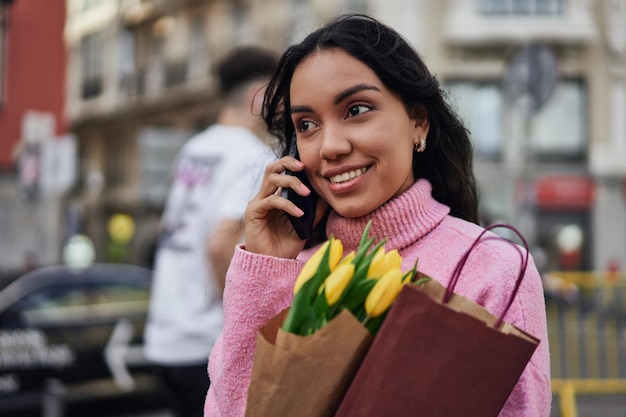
(447, 161)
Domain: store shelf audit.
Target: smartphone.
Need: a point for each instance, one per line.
(302, 225)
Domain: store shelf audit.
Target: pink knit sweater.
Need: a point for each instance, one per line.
(259, 287)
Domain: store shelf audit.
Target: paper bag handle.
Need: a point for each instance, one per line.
(463, 260)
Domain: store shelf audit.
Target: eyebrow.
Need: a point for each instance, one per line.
(339, 98)
(353, 90)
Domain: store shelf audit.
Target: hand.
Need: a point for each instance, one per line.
(267, 228)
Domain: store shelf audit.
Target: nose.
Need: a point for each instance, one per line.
(335, 143)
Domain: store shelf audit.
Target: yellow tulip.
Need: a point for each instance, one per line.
(309, 268)
(312, 264)
(348, 258)
(383, 262)
(337, 281)
(336, 252)
(377, 259)
(384, 293)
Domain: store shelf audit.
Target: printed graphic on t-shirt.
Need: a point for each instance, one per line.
(193, 181)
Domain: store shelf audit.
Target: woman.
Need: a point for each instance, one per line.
(376, 140)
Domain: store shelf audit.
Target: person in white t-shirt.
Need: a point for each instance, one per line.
(216, 173)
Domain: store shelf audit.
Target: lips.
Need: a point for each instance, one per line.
(347, 176)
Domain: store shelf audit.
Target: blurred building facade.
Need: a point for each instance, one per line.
(541, 85)
(34, 146)
(141, 84)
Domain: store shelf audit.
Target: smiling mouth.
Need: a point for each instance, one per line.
(347, 176)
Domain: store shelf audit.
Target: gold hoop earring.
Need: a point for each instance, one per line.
(421, 147)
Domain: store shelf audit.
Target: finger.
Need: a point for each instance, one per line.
(270, 205)
(283, 164)
(274, 178)
(291, 181)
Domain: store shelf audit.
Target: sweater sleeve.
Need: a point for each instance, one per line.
(257, 288)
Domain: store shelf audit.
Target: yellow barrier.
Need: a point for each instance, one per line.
(587, 334)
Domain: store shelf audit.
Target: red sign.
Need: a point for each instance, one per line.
(565, 192)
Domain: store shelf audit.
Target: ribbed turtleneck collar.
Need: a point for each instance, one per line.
(402, 220)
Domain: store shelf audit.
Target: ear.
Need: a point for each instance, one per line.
(422, 124)
(421, 128)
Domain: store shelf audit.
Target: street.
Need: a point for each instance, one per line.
(588, 406)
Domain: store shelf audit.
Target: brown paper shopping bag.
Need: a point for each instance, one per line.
(440, 355)
(305, 376)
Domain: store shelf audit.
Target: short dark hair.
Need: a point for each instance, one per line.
(447, 161)
(244, 64)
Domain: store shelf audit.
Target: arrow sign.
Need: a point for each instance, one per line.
(119, 353)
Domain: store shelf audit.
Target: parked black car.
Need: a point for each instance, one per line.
(80, 331)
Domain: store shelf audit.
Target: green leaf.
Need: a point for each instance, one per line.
(374, 324)
(300, 319)
(299, 309)
(366, 233)
(362, 265)
(358, 294)
(319, 311)
(422, 280)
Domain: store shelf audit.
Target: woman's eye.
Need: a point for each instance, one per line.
(306, 125)
(356, 110)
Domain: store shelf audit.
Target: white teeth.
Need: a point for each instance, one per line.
(347, 175)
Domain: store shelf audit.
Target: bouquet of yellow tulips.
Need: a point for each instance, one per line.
(325, 355)
(306, 357)
(365, 282)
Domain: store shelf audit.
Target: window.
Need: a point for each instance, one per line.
(558, 130)
(198, 49)
(117, 157)
(480, 105)
(176, 50)
(126, 61)
(92, 65)
(53, 304)
(117, 300)
(175, 73)
(522, 7)
(155, 71)
(78, 303)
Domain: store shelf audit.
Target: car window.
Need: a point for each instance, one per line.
(55, 303)
(69, 305)
(118, 300)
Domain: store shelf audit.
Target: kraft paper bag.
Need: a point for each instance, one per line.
(305, 376)
(439, 355)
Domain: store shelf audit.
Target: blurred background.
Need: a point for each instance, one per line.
(97, 96)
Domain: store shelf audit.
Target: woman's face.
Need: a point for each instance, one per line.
(355, 137)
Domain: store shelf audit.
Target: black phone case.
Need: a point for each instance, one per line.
(302, 225)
